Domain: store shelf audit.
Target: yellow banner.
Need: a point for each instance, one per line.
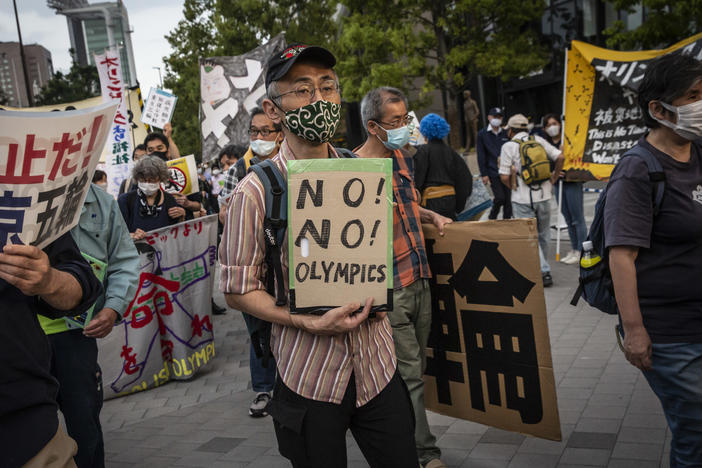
(602, 117)
(182, 176)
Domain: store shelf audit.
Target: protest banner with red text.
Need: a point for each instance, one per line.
(167, 330)
(47, 160)
(118, 161)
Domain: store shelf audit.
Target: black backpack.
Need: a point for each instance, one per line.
(274, 227)
(595, 283)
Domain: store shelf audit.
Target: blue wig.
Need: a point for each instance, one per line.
(434, 127)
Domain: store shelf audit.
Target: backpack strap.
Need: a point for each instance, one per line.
(655, 173)
(274, 225)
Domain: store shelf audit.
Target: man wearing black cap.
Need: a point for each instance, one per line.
(490, 141)
(336, 371)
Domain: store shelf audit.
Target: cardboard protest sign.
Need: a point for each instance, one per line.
(47, 160)
(230, 88)
(119, 146)
(167, 329)
(602, 117)
(489, 355)
(182, 176)
(159, 108)
(339, 233)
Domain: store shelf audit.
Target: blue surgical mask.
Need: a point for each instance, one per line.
(397, 137)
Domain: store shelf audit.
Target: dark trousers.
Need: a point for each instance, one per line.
(503, 199)
(75, 366)
(312, 434)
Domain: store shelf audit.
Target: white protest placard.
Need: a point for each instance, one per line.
(167, 329)
(340, 233)
(47, 160)
(119, 145)
(159, 107)
(416, 138)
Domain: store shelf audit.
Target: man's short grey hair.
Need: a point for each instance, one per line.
(272, 90)
(373, 102)
(150, 167)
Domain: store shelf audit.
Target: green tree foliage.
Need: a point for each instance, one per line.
(232, 27)
(193, 37)
(416, 45)
(666, 22)
(423, 45)
(78, 84)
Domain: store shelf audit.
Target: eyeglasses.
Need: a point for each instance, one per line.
(406, 120)
(305, 91)
(253, 131)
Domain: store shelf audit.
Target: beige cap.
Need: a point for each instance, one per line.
(518, 121)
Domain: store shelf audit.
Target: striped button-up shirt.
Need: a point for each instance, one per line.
(410, 256)
(317, 367)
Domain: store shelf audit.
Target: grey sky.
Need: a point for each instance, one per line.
(150, 21)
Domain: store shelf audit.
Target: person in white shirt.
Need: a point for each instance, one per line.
(530, 201)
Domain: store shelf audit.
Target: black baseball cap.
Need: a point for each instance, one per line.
(280, 62)
(495, 111)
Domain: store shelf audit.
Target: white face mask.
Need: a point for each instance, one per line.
(262, 147)
(149, 188)
(102, 185)
(215, 171)
(689, 124)
(495, 122)
(553, 130)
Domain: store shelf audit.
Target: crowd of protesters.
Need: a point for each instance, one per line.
(347, 370)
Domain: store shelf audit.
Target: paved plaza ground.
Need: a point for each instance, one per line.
(609, 416)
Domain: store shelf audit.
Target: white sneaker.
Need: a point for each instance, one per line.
(572, 258)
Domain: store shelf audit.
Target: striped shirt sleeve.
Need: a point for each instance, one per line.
(242, 248)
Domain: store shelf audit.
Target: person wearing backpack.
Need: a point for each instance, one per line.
(655, 248)
(528, 157)
(336, 371)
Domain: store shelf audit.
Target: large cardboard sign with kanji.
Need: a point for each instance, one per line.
(489, 354)
(339, 233)
(47, 160)
(167, 329)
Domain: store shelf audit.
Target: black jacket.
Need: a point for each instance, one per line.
(437, 164)
(28, 409)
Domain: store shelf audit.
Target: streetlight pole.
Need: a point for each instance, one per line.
(159, 76)
(30, 98)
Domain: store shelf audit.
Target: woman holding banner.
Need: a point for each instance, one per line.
(656, 257)
(149, 207)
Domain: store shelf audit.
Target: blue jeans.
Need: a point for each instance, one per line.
(676, 379)
(75, 366)
(542, 212)
(573, 212)
(262, 378)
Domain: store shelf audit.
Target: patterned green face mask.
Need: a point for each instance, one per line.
(316, 122)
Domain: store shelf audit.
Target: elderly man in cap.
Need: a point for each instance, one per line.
(490, 141)
(336, 371)
(529, 201)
